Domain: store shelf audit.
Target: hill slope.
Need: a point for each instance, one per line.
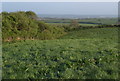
(85, 56)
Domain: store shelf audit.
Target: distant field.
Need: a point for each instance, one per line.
(85, 21)
(61, 24)
(81, 54)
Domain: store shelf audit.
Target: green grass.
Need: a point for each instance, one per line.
(96, 33)
(82, 54)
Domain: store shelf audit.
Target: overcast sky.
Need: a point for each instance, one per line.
(81, 8)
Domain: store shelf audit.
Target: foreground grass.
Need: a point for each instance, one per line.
(81, 57)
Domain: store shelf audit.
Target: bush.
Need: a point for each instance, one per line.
(26, 26)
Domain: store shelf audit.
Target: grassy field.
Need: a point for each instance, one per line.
(66, 24)
(85, 21)
(80, 54)
(96, 33)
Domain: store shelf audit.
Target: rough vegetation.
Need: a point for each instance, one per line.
(77, 52)
(85, 57)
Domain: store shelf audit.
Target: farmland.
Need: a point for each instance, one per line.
(58, 49)
(91, 21)
(61, 41)
(80, 54)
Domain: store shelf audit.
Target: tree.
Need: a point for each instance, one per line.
(31, 14)
(74, 23)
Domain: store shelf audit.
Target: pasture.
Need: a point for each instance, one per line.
(80, 54)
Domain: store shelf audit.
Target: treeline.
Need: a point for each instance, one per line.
(99, 26)
(25, 25)
(74, 25)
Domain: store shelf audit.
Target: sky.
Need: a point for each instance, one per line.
(60, 0)
(79, 8)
